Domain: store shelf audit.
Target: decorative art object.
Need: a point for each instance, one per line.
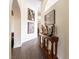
(50, 18)
(30, 27)
(44, 29)
(31, 14)
(50, 22)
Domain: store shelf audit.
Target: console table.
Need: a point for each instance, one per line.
(49, 49)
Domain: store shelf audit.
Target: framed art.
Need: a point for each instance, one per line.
(31, 14)
(50, 22)
(50, 18)
(30, 27)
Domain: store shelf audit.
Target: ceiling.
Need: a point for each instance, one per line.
(41, 4)
(50, 3)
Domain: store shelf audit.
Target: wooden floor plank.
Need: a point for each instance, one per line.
(29, 50)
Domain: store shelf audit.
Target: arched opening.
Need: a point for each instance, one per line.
(16, 23)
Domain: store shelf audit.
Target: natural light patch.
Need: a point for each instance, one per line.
(50, 3)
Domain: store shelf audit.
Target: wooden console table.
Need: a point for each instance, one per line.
(44, 43)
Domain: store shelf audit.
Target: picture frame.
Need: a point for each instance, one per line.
(30, 27)
(31, 14)
(50, 18)
(50, 22)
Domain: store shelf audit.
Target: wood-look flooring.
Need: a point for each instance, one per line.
(29, 50)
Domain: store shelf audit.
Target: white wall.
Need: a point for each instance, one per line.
(10, 7)
(34, 6)
(19, 21)
(62, 24)
(16, 23)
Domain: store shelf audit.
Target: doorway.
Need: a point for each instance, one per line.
(16, 23)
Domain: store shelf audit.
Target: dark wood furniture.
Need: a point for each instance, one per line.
(45, 41)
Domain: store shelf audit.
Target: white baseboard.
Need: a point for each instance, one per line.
(18, 46)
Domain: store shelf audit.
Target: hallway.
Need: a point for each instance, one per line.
(32, 17)
(29, 50)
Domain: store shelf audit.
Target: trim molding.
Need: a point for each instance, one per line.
(18, 46)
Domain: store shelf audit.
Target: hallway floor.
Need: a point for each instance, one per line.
(29, 50)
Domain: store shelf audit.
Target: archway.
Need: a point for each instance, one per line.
(16, 23)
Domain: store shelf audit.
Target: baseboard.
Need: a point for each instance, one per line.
(18, 46)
